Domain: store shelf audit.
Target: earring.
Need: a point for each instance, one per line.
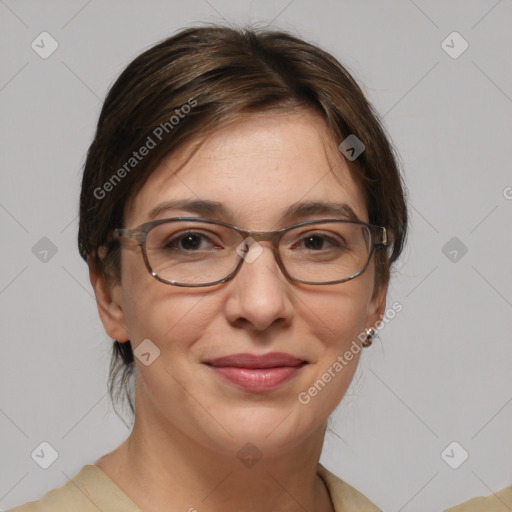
(369, 335)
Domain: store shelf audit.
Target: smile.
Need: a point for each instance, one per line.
(257, 373)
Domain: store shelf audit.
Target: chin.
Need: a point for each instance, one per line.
(273, 430)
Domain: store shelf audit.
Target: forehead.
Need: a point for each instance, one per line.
(257, 168)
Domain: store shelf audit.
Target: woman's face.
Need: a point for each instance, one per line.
(257, 169)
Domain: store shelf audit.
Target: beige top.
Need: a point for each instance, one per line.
(91, 490)
(499, 502)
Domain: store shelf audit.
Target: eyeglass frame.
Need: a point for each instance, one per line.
(140, 233)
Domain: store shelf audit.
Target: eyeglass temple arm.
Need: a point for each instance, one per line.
(383, 237)
(131, 234)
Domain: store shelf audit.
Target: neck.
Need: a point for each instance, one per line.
(158, 466)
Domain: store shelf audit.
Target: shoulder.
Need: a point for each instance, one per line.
(343, 496)
(58, 500)
(499, 502)
(88, 491)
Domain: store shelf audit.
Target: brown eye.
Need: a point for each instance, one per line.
(190, 242)
(319, 242)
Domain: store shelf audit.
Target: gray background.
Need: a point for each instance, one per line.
(441, 370)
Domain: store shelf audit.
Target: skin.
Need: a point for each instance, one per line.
(189, 423)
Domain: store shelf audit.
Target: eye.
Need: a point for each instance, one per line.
(320, 242)
(190, 241)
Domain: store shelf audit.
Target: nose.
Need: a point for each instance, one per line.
(259, 294)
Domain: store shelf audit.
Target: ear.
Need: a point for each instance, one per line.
(377, 305)
(110, 304)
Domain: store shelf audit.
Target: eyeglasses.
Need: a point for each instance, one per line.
(192, 251)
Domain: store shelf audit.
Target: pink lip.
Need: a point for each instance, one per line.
(257, 373)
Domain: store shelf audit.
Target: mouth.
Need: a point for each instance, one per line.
(257, 373)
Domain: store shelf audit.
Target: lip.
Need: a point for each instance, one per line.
(257, 373)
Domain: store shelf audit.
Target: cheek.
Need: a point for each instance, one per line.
(339, 315)
(336, 323)
(154, 310)
(171, 319)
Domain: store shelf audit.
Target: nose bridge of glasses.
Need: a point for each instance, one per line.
(250, 248)
(263, 236)
(260, 236)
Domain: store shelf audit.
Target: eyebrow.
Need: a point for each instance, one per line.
(208, 208)
(328, 208)
(203, 207)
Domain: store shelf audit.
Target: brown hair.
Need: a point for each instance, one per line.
(191, 83)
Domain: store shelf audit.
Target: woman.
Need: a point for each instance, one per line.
(241, 208)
